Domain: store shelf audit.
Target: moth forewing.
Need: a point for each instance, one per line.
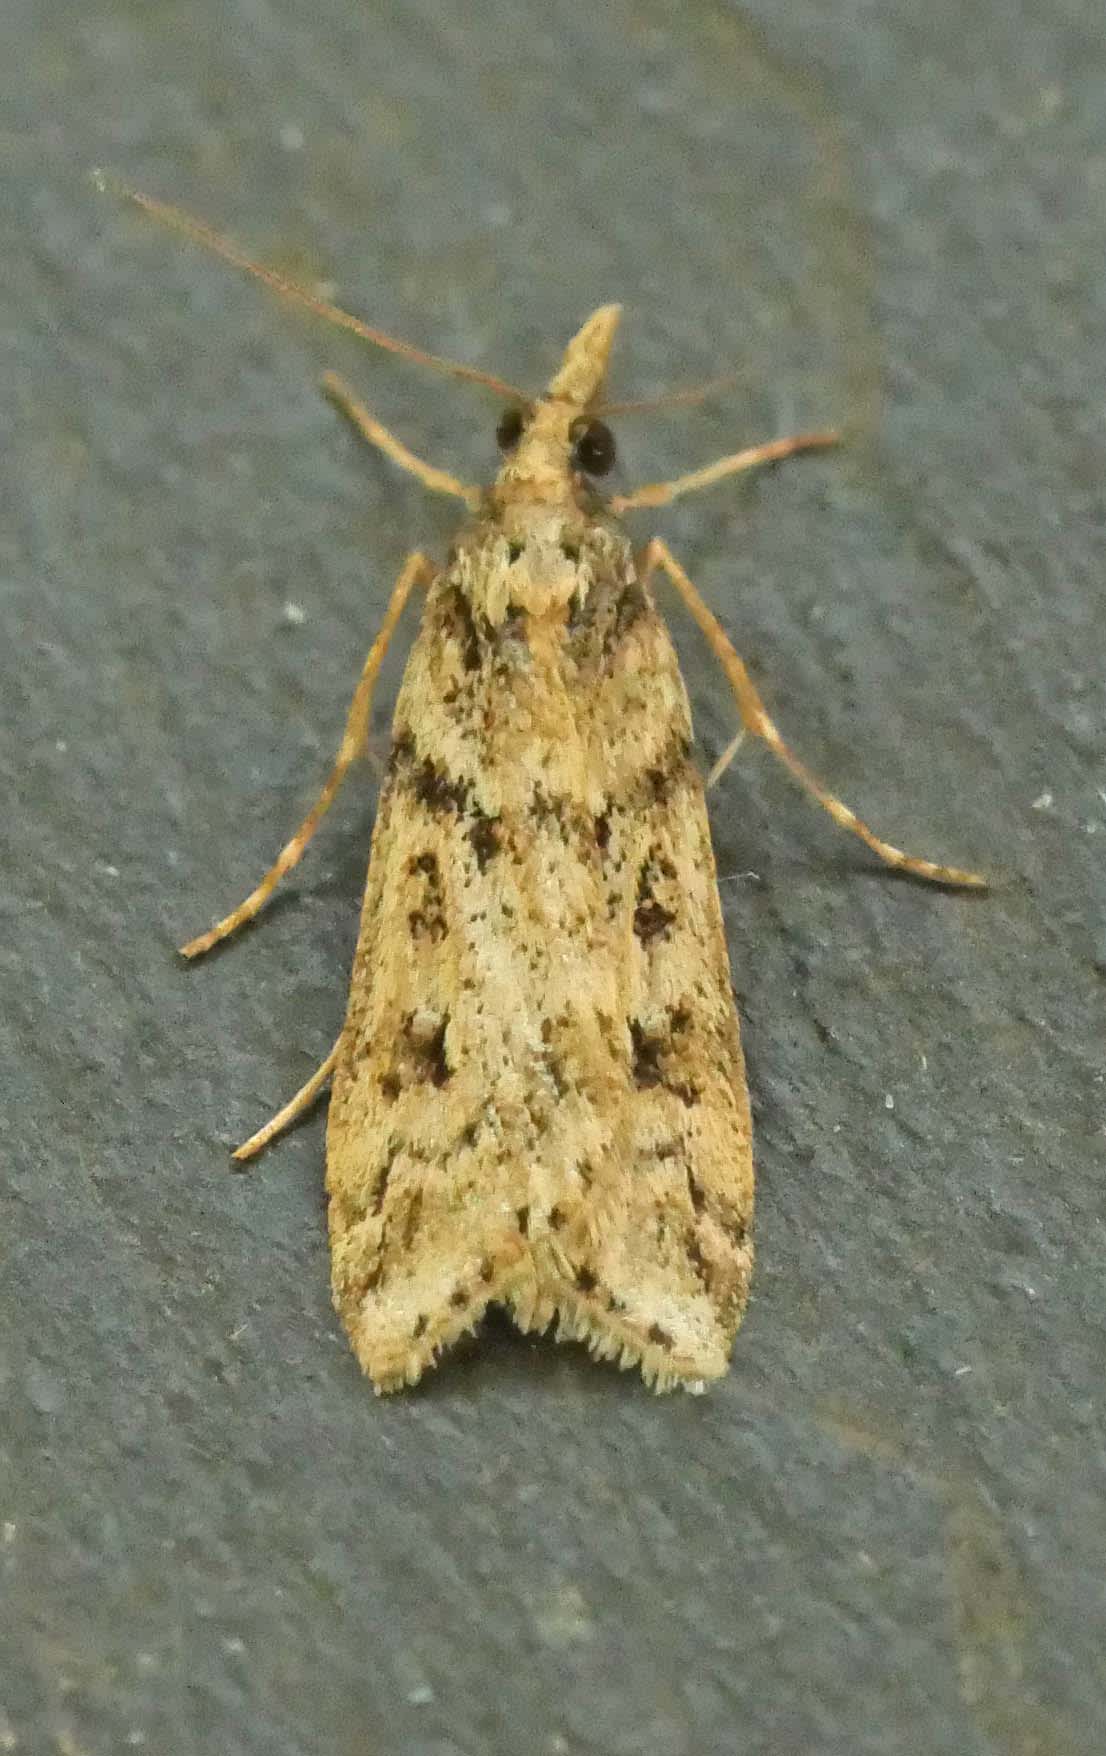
(539, 1097)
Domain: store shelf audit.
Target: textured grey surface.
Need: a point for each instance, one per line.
(886, 1530)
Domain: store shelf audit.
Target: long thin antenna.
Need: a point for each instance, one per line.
(179, 221)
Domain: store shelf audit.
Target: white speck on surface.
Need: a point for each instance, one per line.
(292, 137)
(562, 1618)
(293, 615)
(421, 1696)
(1043, 802)
(888, 1101)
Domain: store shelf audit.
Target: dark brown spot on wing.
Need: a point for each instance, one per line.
(428, 917)
(484, 837)
(655, 1056)
(434, 1056)
(646, 1056)
(515, 624)
(651, 921)
(411, 1220)
(631, 606)
(403, 749)
(698, 1261)
(381, 1188)
(549, 808)
(418, 1055)
(458, 623)
(735, 1224)
(437, 790)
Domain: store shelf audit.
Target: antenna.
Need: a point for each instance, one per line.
(199, 233)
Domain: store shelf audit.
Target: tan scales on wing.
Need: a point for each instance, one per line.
(539, 1096)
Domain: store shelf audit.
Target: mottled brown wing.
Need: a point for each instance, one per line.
(540, 1097)
(646, 1248)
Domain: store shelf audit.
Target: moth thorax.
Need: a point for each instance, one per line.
(537, 569)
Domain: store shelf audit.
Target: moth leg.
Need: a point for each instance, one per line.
(284, 1117)
(727, 757)
(756, 719)
(416, 569)
(662, 493)
(337, 391)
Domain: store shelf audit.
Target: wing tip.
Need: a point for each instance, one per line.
(654, 1353)
(393, 1362)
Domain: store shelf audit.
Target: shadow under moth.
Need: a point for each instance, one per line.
(538, 1094)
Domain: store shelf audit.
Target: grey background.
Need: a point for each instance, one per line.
(886, 1530)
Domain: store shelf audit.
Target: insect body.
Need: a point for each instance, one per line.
(539, 1098)
(538, 1094)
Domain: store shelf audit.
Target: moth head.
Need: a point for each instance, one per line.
(554, 445)
(589, 442)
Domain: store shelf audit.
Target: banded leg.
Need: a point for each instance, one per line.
(756, 719)
(439, 481)
(415, 570)
(295, 1107)
(662, 493)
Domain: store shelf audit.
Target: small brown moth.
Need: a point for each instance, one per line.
(539, 1098)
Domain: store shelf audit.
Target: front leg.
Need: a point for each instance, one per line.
(755, 718)
(416, 570)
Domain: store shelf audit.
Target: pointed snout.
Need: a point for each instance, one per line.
(584, 366)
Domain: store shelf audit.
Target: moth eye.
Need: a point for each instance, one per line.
(509, 431)
(593, 448)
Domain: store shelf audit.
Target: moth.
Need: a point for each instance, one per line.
(538, 1094)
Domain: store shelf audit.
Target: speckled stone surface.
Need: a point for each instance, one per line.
(885, 1532)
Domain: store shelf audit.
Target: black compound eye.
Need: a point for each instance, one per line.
(593, 448)
(509, 431)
